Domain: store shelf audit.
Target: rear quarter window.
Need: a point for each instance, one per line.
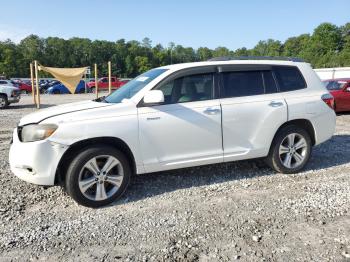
(289, 78)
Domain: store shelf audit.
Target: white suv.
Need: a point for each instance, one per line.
(174, 117)
(8, 94)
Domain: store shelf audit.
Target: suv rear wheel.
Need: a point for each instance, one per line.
(97, 176)
(290, 150)
(3, 101)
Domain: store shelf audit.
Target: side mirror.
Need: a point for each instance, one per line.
(347, 89)
(153, 97)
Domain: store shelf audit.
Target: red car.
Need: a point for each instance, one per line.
(25, 87)
(340, 90)
(103, 83)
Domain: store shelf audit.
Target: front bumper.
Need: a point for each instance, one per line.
(35, 162)
(14, 99)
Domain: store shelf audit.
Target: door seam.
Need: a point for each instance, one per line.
(222, 133)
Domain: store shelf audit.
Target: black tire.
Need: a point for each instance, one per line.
(93, 90)
(4, 103)
(76, 169)
(274, 159)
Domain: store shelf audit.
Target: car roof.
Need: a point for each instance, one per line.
(230, 62)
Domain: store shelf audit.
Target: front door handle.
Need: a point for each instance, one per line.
(153, 118)
(212, 111)
(275, 104)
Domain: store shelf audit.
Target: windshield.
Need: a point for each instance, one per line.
(131, 88)
(334, 85)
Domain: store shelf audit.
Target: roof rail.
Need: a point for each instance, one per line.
(228, 58)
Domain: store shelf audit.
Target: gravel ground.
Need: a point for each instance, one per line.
(222, 212)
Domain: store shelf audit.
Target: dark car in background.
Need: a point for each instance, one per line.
(340, 90)
(62, 89)
(46, 85)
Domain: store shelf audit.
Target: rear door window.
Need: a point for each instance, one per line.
(269, 82)
(289, 78)
(242, 83)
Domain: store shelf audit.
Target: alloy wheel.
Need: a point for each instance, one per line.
(293, 150)
(101, 177)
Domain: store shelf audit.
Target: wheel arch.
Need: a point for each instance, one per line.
(302, 123)
(4, 94)
(79, 146)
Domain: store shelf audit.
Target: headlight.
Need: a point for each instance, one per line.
(31, 133)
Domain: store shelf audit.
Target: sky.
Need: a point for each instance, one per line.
(191, 23)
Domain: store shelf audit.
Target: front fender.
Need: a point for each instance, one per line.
(124, 128)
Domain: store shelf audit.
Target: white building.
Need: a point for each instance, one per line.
(331, 73)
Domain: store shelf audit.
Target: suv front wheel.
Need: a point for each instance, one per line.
(290, 150)
(97, 176)
(3, 101)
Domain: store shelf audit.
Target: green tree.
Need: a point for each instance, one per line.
(147, 43)
(204, 53)
(269, 47)
(294, 46)
(242, 52)
(142, 64)
(10, 60)
(328, 46)
(32, 48)
(221, 51)
(343, 57)
(324, 45)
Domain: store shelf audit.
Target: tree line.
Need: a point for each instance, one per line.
(327, 46)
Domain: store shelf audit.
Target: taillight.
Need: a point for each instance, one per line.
(329, 100)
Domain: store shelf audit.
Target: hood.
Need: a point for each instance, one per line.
(60, 110)
(9, 87)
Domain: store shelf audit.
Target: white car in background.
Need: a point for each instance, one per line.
(173, 117)
(9, 94)
(7, 82)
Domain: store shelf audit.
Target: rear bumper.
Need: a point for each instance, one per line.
(35, 162)
(324, 126)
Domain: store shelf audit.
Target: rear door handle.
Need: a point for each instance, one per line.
(212, 111)
(275, 104)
